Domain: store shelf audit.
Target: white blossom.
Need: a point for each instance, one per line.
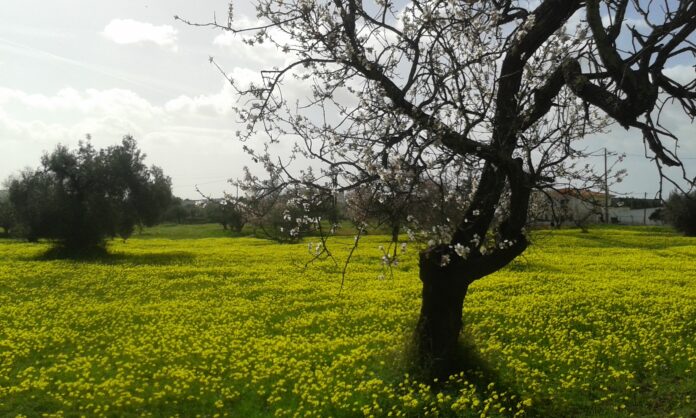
(444, 260)
(476, 240)
(461, 250)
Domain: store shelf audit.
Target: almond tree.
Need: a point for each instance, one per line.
(504, 90)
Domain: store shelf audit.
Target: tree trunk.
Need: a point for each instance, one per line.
(440, 322)
(395, 233)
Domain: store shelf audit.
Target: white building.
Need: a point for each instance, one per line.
(570, 206)
(628, 216)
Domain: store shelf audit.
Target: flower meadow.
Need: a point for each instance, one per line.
(600, 324)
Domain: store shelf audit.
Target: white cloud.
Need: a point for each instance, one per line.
(263, 56)
(681, 73)
(215, 104)
(189, 137)
(259, 56)
(129, 31)
(112, 102)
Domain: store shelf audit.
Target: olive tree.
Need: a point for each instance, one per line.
(399, 92)
(228, 212)
(80, 198)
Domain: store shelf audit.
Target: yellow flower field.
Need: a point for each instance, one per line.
(600, 324)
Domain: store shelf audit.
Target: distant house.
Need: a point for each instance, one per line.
(575, 206)
(628, 216)
(570, 205)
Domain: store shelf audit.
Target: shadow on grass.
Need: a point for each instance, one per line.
(479, 372)
(102, 256)
(608, 242)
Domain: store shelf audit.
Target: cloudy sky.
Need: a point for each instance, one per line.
(72, 67)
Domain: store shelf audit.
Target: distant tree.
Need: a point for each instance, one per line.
(185, 211)
(286, 214)
(228, 212)
(176, 212)
(80, 198)
(419, 89)
(33, 199)
(411, 206)
(283, 216)
(680, 212)
(7, 218)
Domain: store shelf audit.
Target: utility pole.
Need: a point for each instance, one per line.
(645, 209)
(606, 189)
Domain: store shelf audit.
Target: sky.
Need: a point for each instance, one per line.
(74, 67)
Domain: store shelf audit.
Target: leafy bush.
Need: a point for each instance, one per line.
(79, 198)
(680, 212)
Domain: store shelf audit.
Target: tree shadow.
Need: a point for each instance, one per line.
(481, 373)
(102, 256)
(478, 371)
(606, 242)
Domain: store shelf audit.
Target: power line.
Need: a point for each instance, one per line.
(614, 153)
(647, 156)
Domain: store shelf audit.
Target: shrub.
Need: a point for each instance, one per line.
(680, 212)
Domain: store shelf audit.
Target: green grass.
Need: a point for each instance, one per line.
(183, 231)
(209, 230)
(181, 320)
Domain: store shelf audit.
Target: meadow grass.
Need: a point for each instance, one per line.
(186, 231)
(601, 324)
(211, 230)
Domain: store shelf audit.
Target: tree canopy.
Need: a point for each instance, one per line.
(499, 91)
(78, 198)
